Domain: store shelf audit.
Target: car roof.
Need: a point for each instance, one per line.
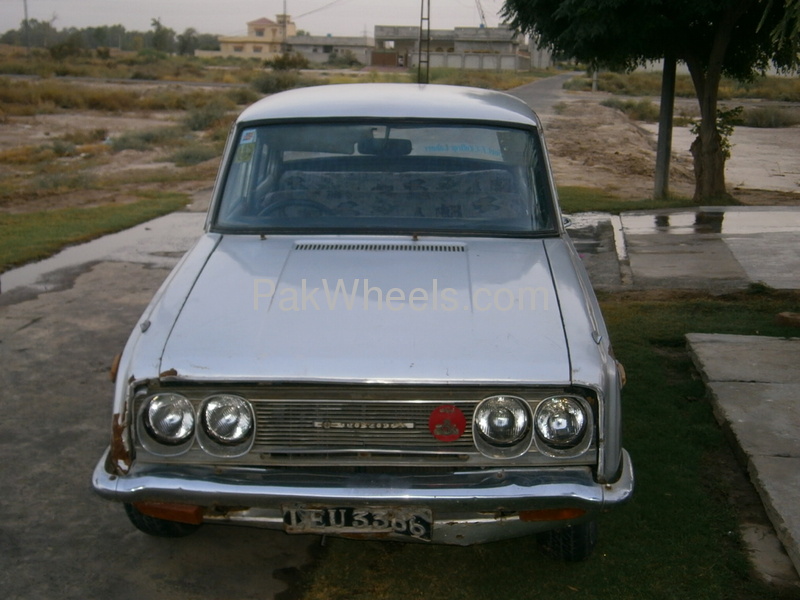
(392, 100)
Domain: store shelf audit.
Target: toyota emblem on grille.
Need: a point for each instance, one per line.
(362, 425)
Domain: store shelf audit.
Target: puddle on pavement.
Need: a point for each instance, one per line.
(160, 242)
(741, 220)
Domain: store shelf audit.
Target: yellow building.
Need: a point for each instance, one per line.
(265, 39)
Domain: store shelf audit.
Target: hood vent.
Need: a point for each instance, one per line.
(327, 247)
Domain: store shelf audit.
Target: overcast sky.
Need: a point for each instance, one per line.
(229, 17)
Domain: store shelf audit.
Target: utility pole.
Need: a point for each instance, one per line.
(284, 46)
(424, 39)
(664, 144)
(27, 29)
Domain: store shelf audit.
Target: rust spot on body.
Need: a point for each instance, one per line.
(120, 455)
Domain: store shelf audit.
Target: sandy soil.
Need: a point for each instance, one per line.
(590, 145)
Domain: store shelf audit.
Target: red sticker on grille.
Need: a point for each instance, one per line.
(447, 423)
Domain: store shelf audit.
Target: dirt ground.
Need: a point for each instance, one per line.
(590, 145)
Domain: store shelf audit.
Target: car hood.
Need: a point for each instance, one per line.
(371, 310)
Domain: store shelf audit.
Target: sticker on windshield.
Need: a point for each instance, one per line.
(248, 136)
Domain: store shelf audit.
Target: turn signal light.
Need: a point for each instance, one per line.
(551, 514)
(182, 513)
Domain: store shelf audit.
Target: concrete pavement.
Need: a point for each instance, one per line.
(754, 387)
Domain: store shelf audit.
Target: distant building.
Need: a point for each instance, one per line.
(491, 48)
(320, 49)
(487, 48)
(265, 39)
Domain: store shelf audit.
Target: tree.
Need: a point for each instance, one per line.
(187, 42)
(72, 46)
(712, 37)
(163, 38)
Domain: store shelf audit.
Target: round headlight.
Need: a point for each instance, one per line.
(169, 418)
(502, 420)
(560, 421)
(227, 419)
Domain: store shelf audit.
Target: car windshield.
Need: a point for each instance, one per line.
(386, 177)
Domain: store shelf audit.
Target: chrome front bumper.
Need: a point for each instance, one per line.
(468, 507)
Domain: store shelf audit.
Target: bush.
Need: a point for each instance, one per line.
(63, 181)
(497, 80)
(193, 155)
(242, 95)
(83, 137)
(769, 117)
(343, 60)
(648, 83)
(278, 81)
(203, 117)
(288, 62)
(641, 110)
(145, 140)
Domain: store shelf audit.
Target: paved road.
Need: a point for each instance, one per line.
(59, 540)
(543, 94)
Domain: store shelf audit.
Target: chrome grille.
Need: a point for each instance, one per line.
(312, 426)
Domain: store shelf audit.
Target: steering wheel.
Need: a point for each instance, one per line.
(281, 206)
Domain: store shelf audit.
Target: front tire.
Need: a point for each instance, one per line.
(572, 544)
(158, 527)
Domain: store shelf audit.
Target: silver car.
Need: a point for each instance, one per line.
(384, 332)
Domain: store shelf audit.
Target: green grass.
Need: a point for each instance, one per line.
(576, 199)
(32, 236)
(676, 539)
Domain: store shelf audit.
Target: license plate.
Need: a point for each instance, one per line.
(410, 522)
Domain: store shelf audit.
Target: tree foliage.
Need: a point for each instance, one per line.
(42, 34)
(737, 38)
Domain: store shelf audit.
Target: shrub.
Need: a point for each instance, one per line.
(639, 110)
(203, 117)
(22, 155)
(63, 181)
(343, 60)
(648, 83)
(288, 62)
(242, 95)
(193, 155)
(144, 140)
(84, 137)
(62, 148)
(278, 81)
(769, 116)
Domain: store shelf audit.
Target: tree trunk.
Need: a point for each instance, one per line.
(709, 157)
(709, 165)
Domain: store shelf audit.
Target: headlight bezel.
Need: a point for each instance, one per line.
(216, 444)
(157, 444)
(583, 440)
(498, 449)
(155, 441)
